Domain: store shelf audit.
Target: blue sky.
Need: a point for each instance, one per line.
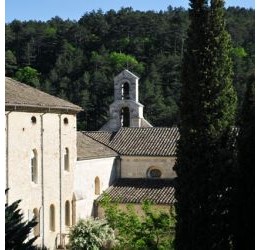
(73, 9)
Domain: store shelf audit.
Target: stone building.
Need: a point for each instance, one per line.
(146, 154)
(145, 164)
(41, 152)
(60, 174)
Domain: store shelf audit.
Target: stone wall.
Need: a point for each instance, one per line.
(49, 136)
(84, 183)
(138, 166)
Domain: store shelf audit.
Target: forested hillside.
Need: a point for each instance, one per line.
(77, 60)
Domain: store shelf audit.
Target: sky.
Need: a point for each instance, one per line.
(44, 10)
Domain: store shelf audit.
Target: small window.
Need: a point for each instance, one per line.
(52, 218)
(65, 121)
(33, 166)
(33, 119)
(67, 213)
(66, 160)
(36, 229)
(154, 173)
(97, 185)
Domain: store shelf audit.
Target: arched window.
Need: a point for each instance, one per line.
(66, 160)
(65, 121)
(125, 91)
(67, 213)
(154, 172)
(33, 166)
(52, 218)
(33, 119)
(125, 117)
(36, 229)
(97, 185)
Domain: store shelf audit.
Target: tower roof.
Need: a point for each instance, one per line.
(125, 74)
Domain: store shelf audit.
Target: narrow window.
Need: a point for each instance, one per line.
(66, 160)
(52, 218)
(125, 117)
(125, 91)
(36, 229)
(33, 166)
(97, 186)
(67, 213)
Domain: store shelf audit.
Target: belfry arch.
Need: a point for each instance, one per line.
(125, 91)
(125, 117)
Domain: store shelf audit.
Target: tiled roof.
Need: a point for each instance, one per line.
(135, 190)
(88, 148)
(19, 96)
(152, 141)
(104, 137)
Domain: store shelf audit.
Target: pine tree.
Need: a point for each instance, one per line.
(205, 150)
(244, 234)
(16, 229)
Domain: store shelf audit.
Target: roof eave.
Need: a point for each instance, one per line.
(47, 109)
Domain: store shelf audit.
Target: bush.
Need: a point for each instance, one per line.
(91, 234)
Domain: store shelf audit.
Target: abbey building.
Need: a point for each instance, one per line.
(60, 173)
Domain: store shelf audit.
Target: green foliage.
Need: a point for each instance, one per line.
(121, 61)
(147, 229)
(10, 63)
(63, 50)
(239, 52)
(205, 152)
(91, 234)
(28, 75)
(16, 229)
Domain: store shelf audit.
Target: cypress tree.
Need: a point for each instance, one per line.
(204, 163)
(244, 199)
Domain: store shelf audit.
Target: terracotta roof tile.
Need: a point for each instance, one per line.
(152, 141)
(104, 137)
(137, 190)
(87, 148)
(20, 96)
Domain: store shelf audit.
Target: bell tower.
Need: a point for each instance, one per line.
(125, 111)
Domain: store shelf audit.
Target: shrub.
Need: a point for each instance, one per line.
(91, 234)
